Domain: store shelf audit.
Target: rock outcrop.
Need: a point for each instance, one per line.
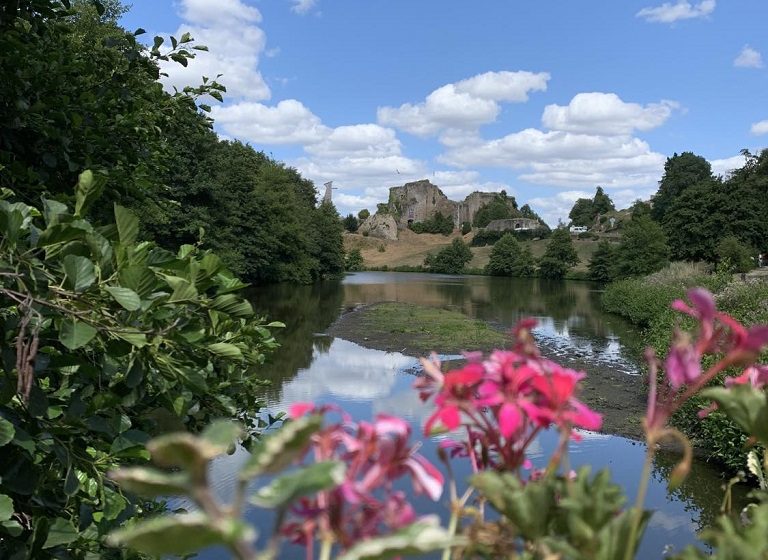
(382, 226)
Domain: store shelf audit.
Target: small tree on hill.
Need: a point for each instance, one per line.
(350, 223)
(450, 260)
(602, 203)
(353, 261)
(560, 255)
(643, 248)
(582, 212)
(508, 258)
(363, 214)
(602, 263)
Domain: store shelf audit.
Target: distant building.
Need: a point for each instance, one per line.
(513, 224)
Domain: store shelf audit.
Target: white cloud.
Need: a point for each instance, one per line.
(725, 166)
(464, 105)
(229, 29)
(749, 58)
(356, 141)
(682, 9)
(303, 7)
(605, 113)
(759, 128)
(288, 122)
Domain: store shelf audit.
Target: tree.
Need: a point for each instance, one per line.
(500, 208)
(509, 259)
(350, 223)
(450, 260)
(560, 255)
(696, 220)
(436, 224)
(602, 264)
(582, 213)
(353, 261)
(736, 254)
(602, 203)
(363, 214)
(328, 246)
(680, 173)
(640, 208)
(643, 248)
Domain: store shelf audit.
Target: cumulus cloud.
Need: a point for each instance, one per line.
(760, 128)
(356, 141)
(605, 113)
(303, 7)
(749, 58)
(725, 166)
(288, 122)
(464, 105)
(230, 30)
(670, 13)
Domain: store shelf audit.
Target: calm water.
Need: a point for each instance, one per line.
(311, 366)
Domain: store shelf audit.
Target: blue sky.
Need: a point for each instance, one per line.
(546, 99)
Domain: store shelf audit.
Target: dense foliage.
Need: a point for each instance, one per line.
(436, 224)
(585, 210)
(84, 93)
(508, 258)
(560, 255)
(602, 264)
(449, 260)
(106, 340)
(680, 173)
(643, 248)
(500, 208)
(488, 237)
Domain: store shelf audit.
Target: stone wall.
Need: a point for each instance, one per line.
(467, 209)
(513, 224)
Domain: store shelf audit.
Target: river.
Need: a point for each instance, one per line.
(313, 366)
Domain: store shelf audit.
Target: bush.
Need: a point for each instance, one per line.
(508, 258)
(353, 261)
(350, 223)
(466, 227)
(559, 257)
(736, 254)
(488, 237)
(436, 224)
(601, 265)
(450, 260)
(643, 248)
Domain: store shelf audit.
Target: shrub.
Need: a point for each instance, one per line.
(350, 223)
(559, 257)
(508, 258)
(436, 224)
(736, 254)
(450, 260)
(466, 227)
(353, 261)
(601, 265)
(488, 237)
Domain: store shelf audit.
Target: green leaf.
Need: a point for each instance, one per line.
(60, 233)
(183, 290)
(139, 31)
(225, 350)
(7, 431)
(281, 448)
(62, 531)
(745, 405)
(415, 539)
(158, 42)
(89, 189)
(233, 305)
(138, 278)
(126, 297)
(6, 507)
(127, 225)
(151, 483)
(222, 434)
(179, 534)
(303, 482)
(134, 338)
(71, 484)
(75, 334)
(80, 273)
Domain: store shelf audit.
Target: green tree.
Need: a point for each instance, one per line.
(363, 214)
(353, 261)
(582, 213)
(640, 208)
(350, 223)
(680, 173)
(328, 244)
(602, 203)
(436, 224)
(696, 219)
(736, 254)
(602, 264)
(643, 248)
(466, 227)
(500, 208)
(451, 259)
(508, 258)
(560, 255)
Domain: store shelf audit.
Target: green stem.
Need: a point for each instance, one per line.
(453, 525)
(640, 500)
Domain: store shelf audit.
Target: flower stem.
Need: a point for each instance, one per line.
(325, 549)
(453, 525)
(640, 499)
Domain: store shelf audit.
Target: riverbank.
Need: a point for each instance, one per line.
(417, 330)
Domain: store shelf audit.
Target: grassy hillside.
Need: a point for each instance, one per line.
(411, 249)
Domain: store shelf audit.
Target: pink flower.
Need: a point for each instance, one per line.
(299, 409)
(756, 375)
(683, 362)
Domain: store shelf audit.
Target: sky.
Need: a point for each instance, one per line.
(544, 99)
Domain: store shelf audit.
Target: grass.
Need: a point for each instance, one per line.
(429, 328)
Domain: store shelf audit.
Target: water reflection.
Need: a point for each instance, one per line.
(312, 366)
